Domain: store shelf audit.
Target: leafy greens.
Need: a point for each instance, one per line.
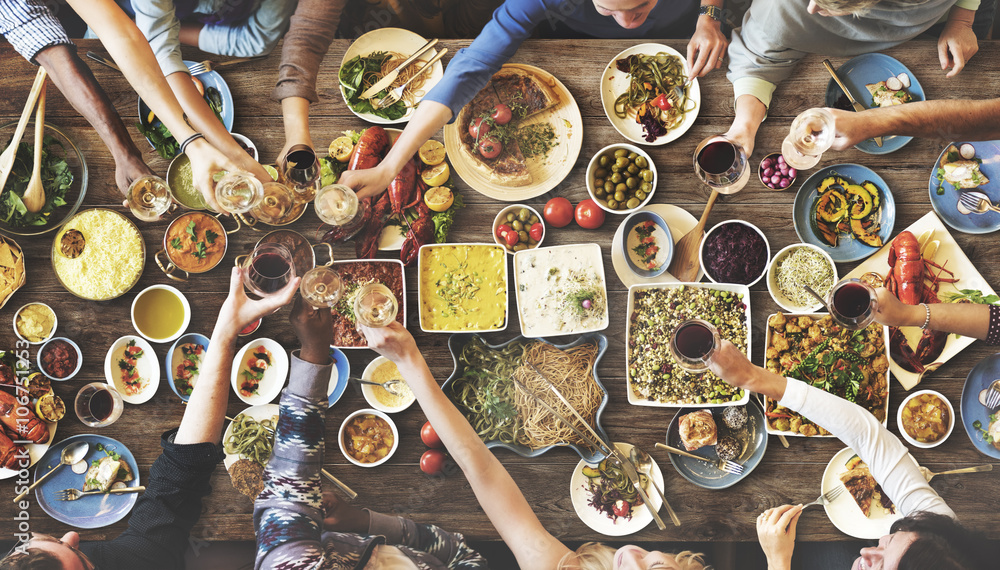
(362, 72)
(56, 180)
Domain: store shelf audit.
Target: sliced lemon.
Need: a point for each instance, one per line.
(341, 148)
(431, 153)
(271, 170)
(438, 198)
(50, 408)
(436, 175)
(37, 385)
(150, 118)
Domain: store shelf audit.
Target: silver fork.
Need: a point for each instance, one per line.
(74, 494)
(396, 94)
(207, 65)
(977, 202)
(826, 498)
(722, 464)
(993, 398)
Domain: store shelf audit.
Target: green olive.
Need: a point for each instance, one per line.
(598, 183)
(524, 214)
(609, 186)
(510, 217)
(619, 196)
(645, 187)
(621, 187)
(517, 225)
(601, 173)
(640, 195)
(523, 236)
(612, 203)
(599, 192)
(519, 246)
(632, 182)
(620, 153)
(633, 169)
(616, 177)
(604, 161)
(633, 155)
(531, 241)
(641, 162)
(633, 203)
(647, 175)
(621, 162)
(534, 219)
(614, 168)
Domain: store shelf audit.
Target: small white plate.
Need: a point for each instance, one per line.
(146, 365)
(369, 391)
(680, 222)
(600, 522)
(844, 513)
(261, 412)
(274, 377)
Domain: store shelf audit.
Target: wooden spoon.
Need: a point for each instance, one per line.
(34, 194)
(685, 264)
(7, 158)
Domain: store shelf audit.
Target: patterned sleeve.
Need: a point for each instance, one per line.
(30, 27)
(288, 513)
(993, 333)
(425, 539)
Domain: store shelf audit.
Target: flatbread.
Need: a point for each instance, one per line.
(961, 173)
(882, 96)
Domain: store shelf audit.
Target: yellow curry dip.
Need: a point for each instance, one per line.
(463, 288)
(195, 242)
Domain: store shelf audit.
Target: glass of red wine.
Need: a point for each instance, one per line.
(722, 164)
(300, 170)
(852, 304)
(268, 269)
(693, 343)
(98, 405)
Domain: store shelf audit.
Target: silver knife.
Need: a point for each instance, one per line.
(391, 76)
(854, 102)
(103, 61)
(633, 476)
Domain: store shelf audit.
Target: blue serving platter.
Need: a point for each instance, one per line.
(86, 512)
(667, 245)
(706, 475)
(946, 203)
(343, 372)
(193, 338)
(979, 379)
(872, 68)
(458, 341)
(848, 248)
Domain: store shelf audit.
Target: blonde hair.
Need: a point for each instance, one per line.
(860, 7)
(597, 556)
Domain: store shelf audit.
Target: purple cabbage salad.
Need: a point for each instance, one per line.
(735, 253)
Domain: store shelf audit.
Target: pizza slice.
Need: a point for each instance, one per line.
(524, 92)
(509, 168)
(861, 485)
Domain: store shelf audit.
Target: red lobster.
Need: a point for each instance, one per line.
(376, 215)
(10, 453)
(421, 232)
(911, 280)
(21, 421)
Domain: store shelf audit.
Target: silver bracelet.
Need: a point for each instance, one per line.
(927, 319)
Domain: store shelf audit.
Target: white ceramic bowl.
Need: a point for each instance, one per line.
(369, 391)
(147, 366)
(248, 144)
(502, 219)
(909, 439)
(384, 416)
(772, 279)
(593, 166)
(55, 323)
(79, 358)
(184, 323)
(273, 378)
(701, 250)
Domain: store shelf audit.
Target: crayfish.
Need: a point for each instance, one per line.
(912, 280)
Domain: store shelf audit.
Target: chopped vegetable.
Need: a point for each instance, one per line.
(735, 253)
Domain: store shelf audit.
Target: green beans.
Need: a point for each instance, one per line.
(251, 439)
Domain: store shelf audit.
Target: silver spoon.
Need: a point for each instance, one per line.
(818, 298)
(70, 454)
(392, 386)
(643, 462)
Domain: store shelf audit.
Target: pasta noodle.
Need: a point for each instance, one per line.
(390, 62)
(251, 439)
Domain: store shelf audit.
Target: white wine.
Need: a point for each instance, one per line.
(375, 306)
(810, 135)
(321, 287)
(149, 197)
(239, 192)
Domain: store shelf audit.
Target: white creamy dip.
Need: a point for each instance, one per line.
(561, 290)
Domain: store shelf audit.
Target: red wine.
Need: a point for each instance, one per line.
(694, 341)
(301, 159)
(717, 157)
(852, 300)
(101, 404)
(269, 272)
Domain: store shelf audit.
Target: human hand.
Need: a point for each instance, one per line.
(314, 328)
(730, 364)
(246, 163)
(742, 138)
(956, 46)
(708, 45)
(847, 127)
(892, 312)
(776, 533)
(128, 169)
(238, 310)
(206, 160)
(368, 182)
(393, 342)
(339, 516)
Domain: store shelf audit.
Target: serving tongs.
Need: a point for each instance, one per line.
(854, 102)
(392, 75)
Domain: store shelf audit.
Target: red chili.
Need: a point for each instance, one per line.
(774, 415)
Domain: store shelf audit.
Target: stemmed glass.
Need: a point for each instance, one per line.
(375, 306)
(693, 343)
(322, 287)
(98, 405)
(810, 135)
(277, 205)
(239, 192)
(722, 164)
(853, 304)
(149, 197)
(338, 206)
(301, 171)
(268, 269)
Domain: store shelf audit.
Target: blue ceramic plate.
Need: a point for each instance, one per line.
(848, 248)
(666, 253)
(208, 79)
(87, 512)
(171, 364)
(706, 475)
(872, 68)
(457, 341)
(946, 203)
(342, 370)
(980, 378)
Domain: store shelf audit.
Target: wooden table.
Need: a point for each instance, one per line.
(785, 476)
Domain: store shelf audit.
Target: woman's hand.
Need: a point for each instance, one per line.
(892, 312)
(732, 366)
(368, 182)
(709, 45)
(206, 160)
(957, 45)
(776, 533)
(340, 517)
(238, 310)
(393, 342)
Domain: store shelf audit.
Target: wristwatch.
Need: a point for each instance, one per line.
(713, 12)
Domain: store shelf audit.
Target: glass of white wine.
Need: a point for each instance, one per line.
(810, 135)
(375, 306)
(338, 206)
(239, 192)
(149, 197)
(322, 287)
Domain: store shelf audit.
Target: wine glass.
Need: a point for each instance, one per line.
(852, 304)
(375, 306)
(338, 206)
(277, 203)
(301, 171)
(239, 192)
(149, 197)
(810, 135)
(268, 269)
(98, 405)
(722, 164)
(322, 287)
(693, 343)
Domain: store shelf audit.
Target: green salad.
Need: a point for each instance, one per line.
(159, 135)
(56, 180)
(360, 73)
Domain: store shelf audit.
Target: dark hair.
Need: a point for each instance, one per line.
(35, 559)
(942, 544)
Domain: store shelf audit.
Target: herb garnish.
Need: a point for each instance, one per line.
(175, 243)
(360, 73)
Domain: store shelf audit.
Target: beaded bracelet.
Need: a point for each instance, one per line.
(927, 319)
(190, 140)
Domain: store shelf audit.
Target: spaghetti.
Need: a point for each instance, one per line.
(251, 439)
(386, 61)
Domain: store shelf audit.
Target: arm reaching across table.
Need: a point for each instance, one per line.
(946, 120)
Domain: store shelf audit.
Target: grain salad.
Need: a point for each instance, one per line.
(652, 372)
(803, 266)
(105, 259)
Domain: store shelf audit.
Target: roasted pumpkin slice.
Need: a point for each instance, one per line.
(866, 236)
(826, 183)
(861, 201)
(832, 206)
(874, 192)
(828, 234)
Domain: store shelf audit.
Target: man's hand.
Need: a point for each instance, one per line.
(369, 182)
(314, 327)
(847, 127)
(129, 169)
(341, 517)
(776, 533)
(238, 310)
(393, 342)
(708, 45)
(957, 45)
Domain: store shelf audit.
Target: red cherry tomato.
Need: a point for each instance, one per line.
(490, 147)
(558, 212)
(477, 128)
(536, 232)
(429, 436)
(663, 102)
(432, 461)
(502, 114)
(589, 215)
(511, 238)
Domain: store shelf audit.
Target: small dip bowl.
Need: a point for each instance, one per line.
(502, 219)
(910, 438)
(772, 280)
(383, 416)
(774, 168)
(144, 303)
(594, 165)
(175, 357)
(373, 398)
(630, 240)
(42, 307)
(247, 145)
(50, 344)
(716, 228)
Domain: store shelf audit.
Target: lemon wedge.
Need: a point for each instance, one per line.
(431, 153)
(436, 175)
(341, 148)
(50, 407)
(438, 198)
(271, 170)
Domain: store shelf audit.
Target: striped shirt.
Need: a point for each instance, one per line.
(30, 27)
